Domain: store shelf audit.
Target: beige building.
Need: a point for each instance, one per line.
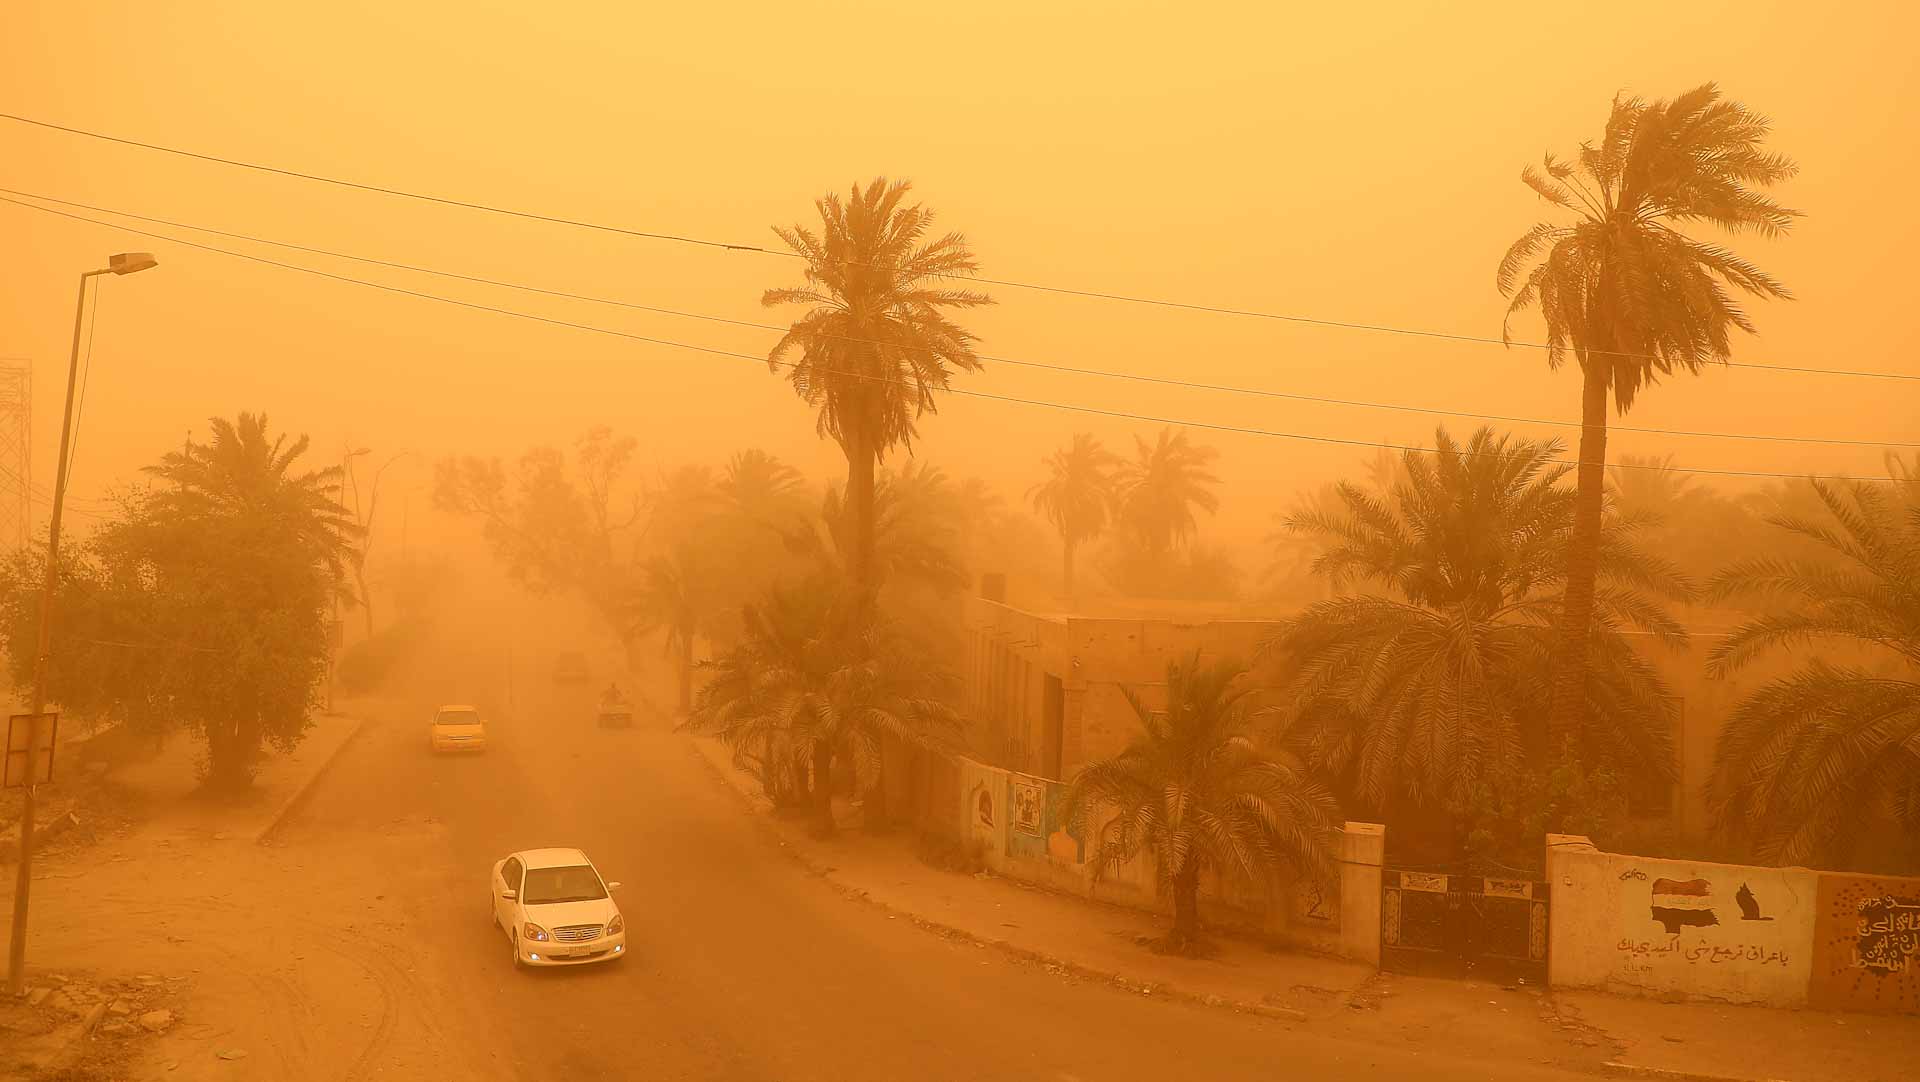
(1044, 690)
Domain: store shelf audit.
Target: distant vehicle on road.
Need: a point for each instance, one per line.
(571, 668)
(615, 711)
(556, 910)
(457, 728)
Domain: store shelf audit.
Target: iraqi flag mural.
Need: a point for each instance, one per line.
(1683, 903)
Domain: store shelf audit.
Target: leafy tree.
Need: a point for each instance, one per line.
(1078, 496)
(817, 678)
(1634, 298)
(876, 341)
(1807, 766)
(1423, 683)
(557, 529)
(204, 601)
(1193, 790)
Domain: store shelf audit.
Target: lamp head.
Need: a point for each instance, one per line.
(131, 262)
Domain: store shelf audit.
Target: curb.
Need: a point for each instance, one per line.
(299, 796)
(1630, 1070)
(1051, 963)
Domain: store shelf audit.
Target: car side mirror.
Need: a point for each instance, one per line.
(510, 895)
(615, 885)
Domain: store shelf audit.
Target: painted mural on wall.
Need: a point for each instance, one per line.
(1066, 840)
(1711, 927)
(1026, 819)
(1866, 944)
(983, 802)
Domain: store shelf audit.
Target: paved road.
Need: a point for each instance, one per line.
(741, 966)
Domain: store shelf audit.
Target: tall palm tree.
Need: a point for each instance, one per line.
(1631, 296)
(1424, 677)
(1193, 790)
(1160, 488)
(1808, 765)
(1078, 495)
(876, 341)
(916, 541)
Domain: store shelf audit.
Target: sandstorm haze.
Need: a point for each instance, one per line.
(1348, 713)
(1312, 163)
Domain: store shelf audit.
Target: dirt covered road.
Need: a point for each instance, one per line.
(360, 945)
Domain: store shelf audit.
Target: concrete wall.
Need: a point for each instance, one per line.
(1019, 825)
(1866, 944)
(1658, 927)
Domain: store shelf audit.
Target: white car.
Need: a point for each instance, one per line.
(556, 910)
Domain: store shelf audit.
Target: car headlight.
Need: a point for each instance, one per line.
(616, 925)
(534, 932)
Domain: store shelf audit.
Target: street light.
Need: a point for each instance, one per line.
(124, 263)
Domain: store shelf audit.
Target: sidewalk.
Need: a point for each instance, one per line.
(107, 992)
(1084, 939)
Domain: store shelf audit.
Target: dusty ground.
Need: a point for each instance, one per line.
(359, 945)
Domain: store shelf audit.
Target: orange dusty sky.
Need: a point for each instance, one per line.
(1335, 161)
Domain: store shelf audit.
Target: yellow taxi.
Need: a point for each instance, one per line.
(458, 728)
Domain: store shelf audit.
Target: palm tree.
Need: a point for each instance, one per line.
(876, 341)
(760, 487)
(816, 676)
(1193, 790)
(915, 542)
(1421, 680)
(676, 595)
(1632, 296)
(1078, 495)
(1159, 490)
(242, 474)
(1808, 765)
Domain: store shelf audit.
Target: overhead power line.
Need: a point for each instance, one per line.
(707, 242)
(960, 391)
(1041, 365)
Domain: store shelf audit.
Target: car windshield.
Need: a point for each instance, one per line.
(576, 884)
(457, 717)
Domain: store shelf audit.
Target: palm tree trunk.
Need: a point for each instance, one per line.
(860, 495)
(686, 672)
(1067, 570)
(822, 787)
(1186, 912)
(1566, 715)
(366, 599)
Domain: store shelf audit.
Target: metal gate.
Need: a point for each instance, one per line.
(1463, 925)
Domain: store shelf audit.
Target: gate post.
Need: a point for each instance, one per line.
(1363, 848)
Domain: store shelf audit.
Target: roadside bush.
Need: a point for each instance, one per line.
(966, 856)
(366, 666)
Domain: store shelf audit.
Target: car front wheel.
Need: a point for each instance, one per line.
(513, 942)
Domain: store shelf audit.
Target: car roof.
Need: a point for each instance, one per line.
(459, 709)
(552, 858)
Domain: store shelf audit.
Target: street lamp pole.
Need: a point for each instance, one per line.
(126, 263)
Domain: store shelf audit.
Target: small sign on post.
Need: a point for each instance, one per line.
(29, 765)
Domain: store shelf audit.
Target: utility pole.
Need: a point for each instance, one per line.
(128, 263)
